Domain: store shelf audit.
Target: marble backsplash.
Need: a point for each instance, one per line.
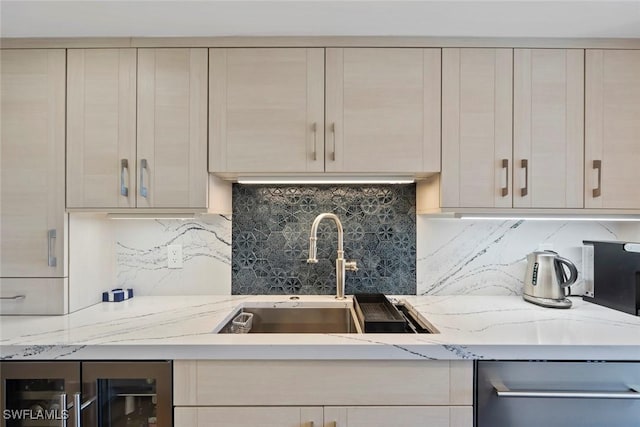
(488, 257)
(453, 256)
(141, 255)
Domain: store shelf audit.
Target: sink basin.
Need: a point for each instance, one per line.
(298, 320)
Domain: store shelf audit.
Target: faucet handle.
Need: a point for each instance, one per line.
(350, 266)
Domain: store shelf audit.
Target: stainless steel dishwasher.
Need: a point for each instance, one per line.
(542, 393)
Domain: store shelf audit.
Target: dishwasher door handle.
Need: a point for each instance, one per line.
(632, 393)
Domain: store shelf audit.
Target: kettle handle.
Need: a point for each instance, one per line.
(561, 273)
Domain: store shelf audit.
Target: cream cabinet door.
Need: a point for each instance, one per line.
(398, 416)
(548, 128)
(476, 127)
(612, 134)
(172, 128)
(383, 110)
(32, 216)
(248, 416)
(266, 110)
(101, 128)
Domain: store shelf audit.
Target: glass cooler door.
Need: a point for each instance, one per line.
(39, 393)
(128, 394)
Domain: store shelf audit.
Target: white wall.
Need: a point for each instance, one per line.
(91, 259)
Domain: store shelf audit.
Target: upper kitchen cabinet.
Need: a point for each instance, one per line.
(267, 110)
(612, 134)
(476, 128)
(383, 110)
(137, 130)
(101, 128)
(548, 128)
(33, 220)
(172, 128)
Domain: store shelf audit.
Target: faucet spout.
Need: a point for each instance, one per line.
(341, 264)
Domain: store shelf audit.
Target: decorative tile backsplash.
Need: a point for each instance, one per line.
(488, 257)
(271, 226)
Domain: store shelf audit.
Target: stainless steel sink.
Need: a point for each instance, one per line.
(298, 320)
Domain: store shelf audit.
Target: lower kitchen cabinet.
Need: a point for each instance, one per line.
(277, 416)
(341, 392)
(398, 416)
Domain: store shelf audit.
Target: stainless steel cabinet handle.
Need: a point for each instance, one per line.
(51, 258)
(632, 393)
(14, 298)
(505, 166)
(314, 128)
(333, 133)
(597, 164)
(124, 190)
(524, 163)
(143, 167)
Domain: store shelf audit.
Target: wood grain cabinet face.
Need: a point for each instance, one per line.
(476, 127)
(343, 393)
(612, 134)
(548, 128)
(403, 416)
(284, 416)
(543, 166)
(172, 128)
(32, 217)
(101, 128)
(383, 110)
(137, 128)
(267, 110)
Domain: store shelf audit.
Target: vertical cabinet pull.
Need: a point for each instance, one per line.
(51, 239)
(143, 168)
(333, 134)
(314, 128)
(524, 163)
(124, 165)
(505, 166)
(597, 164)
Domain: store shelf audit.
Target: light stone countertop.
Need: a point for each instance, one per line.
(471, 327)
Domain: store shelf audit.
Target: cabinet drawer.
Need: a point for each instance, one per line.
(398, 416)
(34, 296)
(277, 382)
(288, 416)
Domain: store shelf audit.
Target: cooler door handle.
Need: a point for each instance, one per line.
(79, 406)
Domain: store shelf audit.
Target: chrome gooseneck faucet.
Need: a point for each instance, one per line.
(341, 264)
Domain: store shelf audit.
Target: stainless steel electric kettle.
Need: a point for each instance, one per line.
(546, 280)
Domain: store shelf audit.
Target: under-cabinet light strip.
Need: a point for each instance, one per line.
(551, 218)
(329, 180)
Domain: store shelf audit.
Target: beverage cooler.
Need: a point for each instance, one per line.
(86, 394)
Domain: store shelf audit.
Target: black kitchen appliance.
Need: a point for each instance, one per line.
(616, 276)
(86, 394)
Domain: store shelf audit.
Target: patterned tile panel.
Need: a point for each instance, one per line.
(270, 242)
